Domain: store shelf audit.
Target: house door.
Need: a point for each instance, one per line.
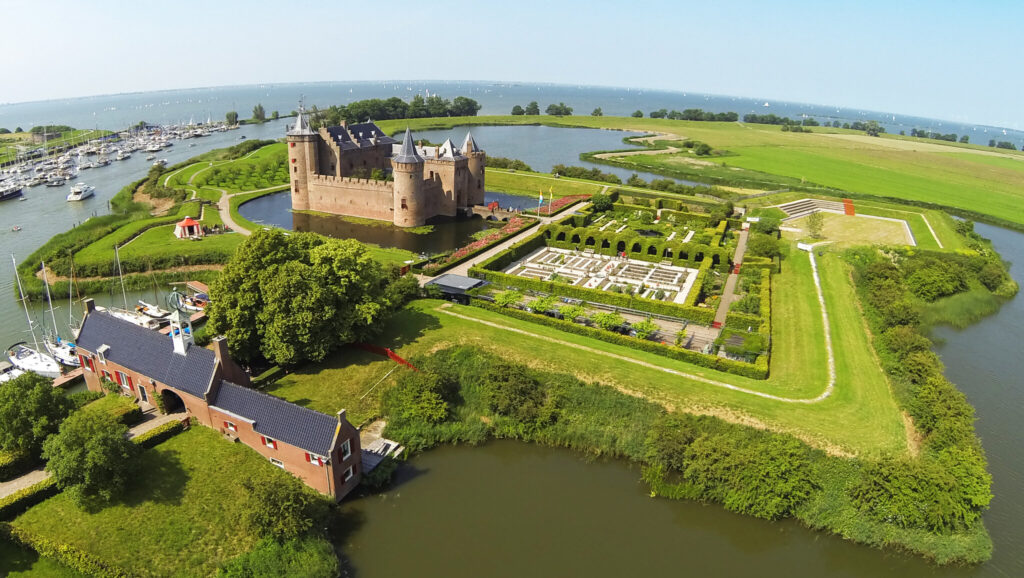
(143, 395)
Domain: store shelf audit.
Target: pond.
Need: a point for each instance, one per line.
(542, 147)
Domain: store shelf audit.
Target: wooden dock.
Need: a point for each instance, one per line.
(68, 378)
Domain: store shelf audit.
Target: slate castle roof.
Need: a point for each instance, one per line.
(361, 135)
(152, 354)
(148, 352)
(276, 418)
(408, 152)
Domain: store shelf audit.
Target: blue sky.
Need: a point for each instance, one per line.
(950, 60)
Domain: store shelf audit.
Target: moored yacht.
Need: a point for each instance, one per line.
(10, 191)
(80, 192)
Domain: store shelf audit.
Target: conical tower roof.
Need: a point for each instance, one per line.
(408, 153)
(447, 150)
(300, 128)
(469, 145)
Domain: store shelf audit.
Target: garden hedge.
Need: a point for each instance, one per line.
(25, 498)
(757, 370)
(14, 464)
(66, 554)
(159, 434)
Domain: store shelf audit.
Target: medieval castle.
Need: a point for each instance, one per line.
(332, 170)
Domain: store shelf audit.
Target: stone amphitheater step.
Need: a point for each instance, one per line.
(803, 207)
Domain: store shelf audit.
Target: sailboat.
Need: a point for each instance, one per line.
(62, 351)
(20, 354)
(125, 314)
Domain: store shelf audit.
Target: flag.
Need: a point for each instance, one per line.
(541, 199)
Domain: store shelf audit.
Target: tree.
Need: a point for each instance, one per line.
(5, 131)
(274, 115)
(815, 223)
(533, 109)
(518, 110)
(638, 114)
(418, 107)
(873, 128)
(417, 397)
(597, 112)
(19, 129)
(280, 507)
(571, 312)
(508, 298)
(965, 139)
(760, 245)
(232, 118)
(463, 106)
(608, 321)
(659, 113)
(437, 106)
(600, 203)
(31, 410)
(559, 109)
(90, 458)
(258, 114)
(702, 149)
(295, 297)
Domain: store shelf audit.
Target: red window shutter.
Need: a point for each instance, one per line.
(263, 439)
(307, 458)
(81, 362)
(131, 385)
(226, 425)
(117, 376)
(92, 365)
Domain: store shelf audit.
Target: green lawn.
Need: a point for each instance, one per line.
(530, 184)
(160, 243)
(893, 166)
(182, 515)
(16, 562)
(264, 167)
(859, 417)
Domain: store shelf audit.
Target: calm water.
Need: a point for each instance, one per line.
(175, 106)
(542, 147)
(512, 509)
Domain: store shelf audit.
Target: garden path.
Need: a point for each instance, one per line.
(728, 294)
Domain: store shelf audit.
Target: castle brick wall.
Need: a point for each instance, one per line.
(355, 197)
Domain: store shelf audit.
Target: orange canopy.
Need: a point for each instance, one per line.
(188, 222)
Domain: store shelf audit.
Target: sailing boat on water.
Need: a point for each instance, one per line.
(20, 354)
(126, 314)
(62, 351)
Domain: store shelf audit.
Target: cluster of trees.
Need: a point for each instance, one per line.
(532, 109)
(951, 137)
(950, 475)
(667, 185)
(86, 452)
(559, 109)
(1003, 144)
(593, 174)
(50, 128)
(504, 163)
(231, 118)
(293, 297)
(794, 128)
(693, 114)
(393, 108)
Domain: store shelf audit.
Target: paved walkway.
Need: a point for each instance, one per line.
(150, 421)
(729, 292)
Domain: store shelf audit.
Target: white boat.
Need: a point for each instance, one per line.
(132, 317)
(63, 351)
(56, 181)
(160, 163)
(8, 371)
(20, 354)
(80, 192)
(102, 162)
(151, 310)
(150, 157)
(122, 156)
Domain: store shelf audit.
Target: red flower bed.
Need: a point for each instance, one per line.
(558, 204)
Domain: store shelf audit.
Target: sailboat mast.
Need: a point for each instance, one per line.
(71, 301)
(121, 277)
(24, 303)
(49, 299)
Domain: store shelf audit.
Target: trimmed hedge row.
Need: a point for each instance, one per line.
(608, 243)
(159, 434)
(66, 554)
(757, 370)
(694, 294)
(741, 321)
(25, 498)
(698, 315)
(14, 464)
(716, 240)
(750, 262)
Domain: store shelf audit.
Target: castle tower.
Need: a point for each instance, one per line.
(477, 160)
(410, 206)
(302, 160)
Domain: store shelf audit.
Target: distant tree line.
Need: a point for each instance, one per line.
(50, 128)
(584, 173)
(504, 163)
(560, 109)
(532, 109)
(694, 114)
(1003, 144)
(393, 108)
(937, 136)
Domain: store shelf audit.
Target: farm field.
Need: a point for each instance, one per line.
(963, 176)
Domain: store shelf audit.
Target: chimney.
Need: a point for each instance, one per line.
(90, 306)
(230, 370)
(341, 416)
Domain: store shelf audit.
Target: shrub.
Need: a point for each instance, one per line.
(159, 434)
(514, 392)
(645, 328)
(380, 476)
(311, 558)
(66, 554)
(507, 298)
(14, 464)
(416, 397)
(31, 410)
(749, 303)
(280, 507)
(601, 203)
(608, 321)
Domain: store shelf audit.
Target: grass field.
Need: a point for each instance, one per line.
(859, 417)
(520, 183)
(18, 562)
(181, 515)
(969, 177)
(847, 231)
(160, 242)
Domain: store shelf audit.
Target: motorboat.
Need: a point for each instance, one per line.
(8, 371)
(160, 163)
(56, 181)
(10, 191)
(133, 317)
(102, 162)
(197, 302)
(151, 310)
(122, 156)
(150, 157)
(80, 192)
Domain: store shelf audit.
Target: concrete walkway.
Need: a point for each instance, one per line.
(150, 420)
(729, 292)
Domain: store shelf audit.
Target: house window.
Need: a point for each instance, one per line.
(269, 442)
(125, 381)
(84, 363)
(107, 376)
(346, 449)
(230, 426)
(277, 463)
(101, 353)
(315, 459)
(348, 474)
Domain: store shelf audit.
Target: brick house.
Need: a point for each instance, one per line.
(322, 450)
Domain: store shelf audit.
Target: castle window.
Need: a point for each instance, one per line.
(404, 206)
(295, 169)
(296, 187)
